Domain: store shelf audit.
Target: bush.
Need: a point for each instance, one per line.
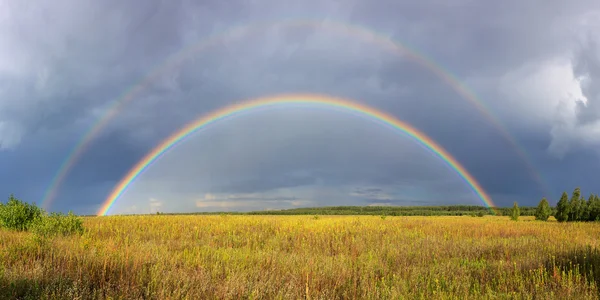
(18, 215)
(22, 216)
(58, 224)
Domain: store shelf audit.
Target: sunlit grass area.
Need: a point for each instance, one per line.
(316, 257)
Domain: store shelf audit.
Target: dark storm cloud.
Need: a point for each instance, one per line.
(62, 65)
(26, 171)
(75, 64)
(472, 37)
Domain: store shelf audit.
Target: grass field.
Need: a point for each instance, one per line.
(294, 257)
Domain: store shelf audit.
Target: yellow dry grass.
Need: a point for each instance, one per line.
(298, 257)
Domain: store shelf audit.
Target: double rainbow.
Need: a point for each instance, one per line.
(253, 105)
(248, 30)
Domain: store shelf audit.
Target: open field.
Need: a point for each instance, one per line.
(292, 257)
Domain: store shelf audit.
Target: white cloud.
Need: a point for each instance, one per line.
(542, 97)
(545, 96)
(532, 94)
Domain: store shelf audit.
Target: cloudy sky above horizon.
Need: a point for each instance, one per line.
(535, 65)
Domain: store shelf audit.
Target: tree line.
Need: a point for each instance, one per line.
(20, 215)
(442, 210)
(578, 209)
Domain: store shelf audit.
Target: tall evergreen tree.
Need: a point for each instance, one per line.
(586, 208)
(562, 208)
(581, 210)
(574, 205)
(543, 210)
(595, 208)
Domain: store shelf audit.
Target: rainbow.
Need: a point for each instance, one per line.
(244, 30)
(252, 105)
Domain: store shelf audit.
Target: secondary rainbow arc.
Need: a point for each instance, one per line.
(248, 29)
(344, 104)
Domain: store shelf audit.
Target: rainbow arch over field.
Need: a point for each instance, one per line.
(249, 29)
(282, 100)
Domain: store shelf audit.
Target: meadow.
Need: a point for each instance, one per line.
(304, 257)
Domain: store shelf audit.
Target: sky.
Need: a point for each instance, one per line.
(533, 65)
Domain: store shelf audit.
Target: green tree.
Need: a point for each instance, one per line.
(581, 209)
(575, 210)
(586, 207)
(574, 205)
(595, 208)
(563, 208)
(597, 205)
(543, 210)
(516, 212)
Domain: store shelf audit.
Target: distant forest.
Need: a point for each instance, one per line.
(575, 209)
(449, 210)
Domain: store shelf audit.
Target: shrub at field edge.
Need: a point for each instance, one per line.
(21, 216)
(18, 215)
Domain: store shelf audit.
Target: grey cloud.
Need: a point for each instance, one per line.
(367, 191)
(580, 126)
(587, 67)
(67, 67)
(251, 197)
(397, 202)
